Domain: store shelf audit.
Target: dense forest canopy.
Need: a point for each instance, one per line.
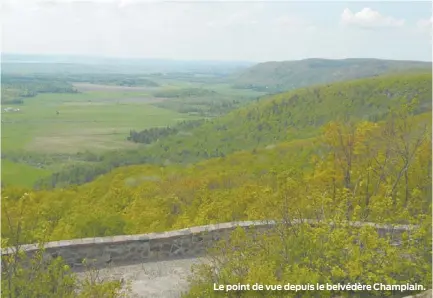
(355, 150)
(283, 117)
(151, 135)
(216, 182)
(359, 171)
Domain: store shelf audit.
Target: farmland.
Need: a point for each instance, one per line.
(85, 121)
(107, 155)
(93, 121)
(92, 118)
(84, 124)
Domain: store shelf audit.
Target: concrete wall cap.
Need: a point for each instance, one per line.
(212, 228)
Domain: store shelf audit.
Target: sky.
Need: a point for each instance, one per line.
(219, 30)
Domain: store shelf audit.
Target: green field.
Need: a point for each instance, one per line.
(51, 127)
(26, 175)
(93, 121)
(87, 156)
(86, 121)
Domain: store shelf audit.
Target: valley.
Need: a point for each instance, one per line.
(216, 149)
(91, 118)
(127, 154)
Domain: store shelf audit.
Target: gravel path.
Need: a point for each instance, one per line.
(165, 279)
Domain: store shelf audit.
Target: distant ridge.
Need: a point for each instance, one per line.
(288, 75)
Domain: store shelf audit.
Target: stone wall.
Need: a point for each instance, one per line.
(185, 243)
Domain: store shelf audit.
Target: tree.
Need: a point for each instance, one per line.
(36, 275)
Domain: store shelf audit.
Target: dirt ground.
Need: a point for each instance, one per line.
(164, 279)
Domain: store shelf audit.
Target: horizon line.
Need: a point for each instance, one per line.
(113, 57)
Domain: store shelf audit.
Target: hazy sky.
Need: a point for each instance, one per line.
(219, 30)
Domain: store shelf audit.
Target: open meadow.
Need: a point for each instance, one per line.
(70, 123)
(216, 149)
(48, 121)
(96, 121)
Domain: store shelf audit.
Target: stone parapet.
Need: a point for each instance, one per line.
(185, 243)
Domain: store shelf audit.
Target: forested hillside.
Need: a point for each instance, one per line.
(288, 75)
(246, 185)
(353, 151)
(216, 149)
(151, 135)
(284, 117)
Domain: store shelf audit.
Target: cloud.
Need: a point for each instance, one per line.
(369, 18)
(425, 24)
(177, 29)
